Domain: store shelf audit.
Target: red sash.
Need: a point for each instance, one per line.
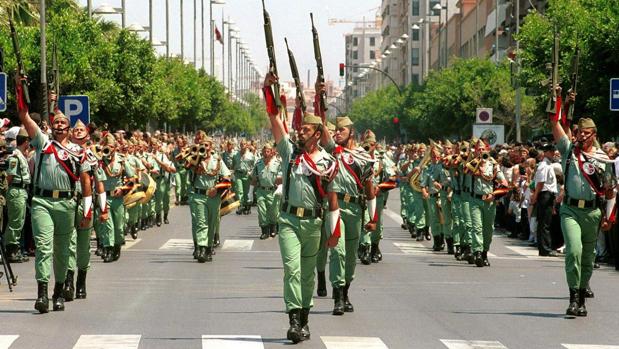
(339, 150)
(596, 187)
(51, 149)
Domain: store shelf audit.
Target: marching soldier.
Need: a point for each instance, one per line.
(205, 200)
(455, 175)
(308, 173)
(57, 170)
(266, 176)
(404, 166)
(447, 193)
(588, 183)
(18, 178)
(417, 209)
(431, 189)
(164, 169)
(466, 178)
(181, 173)
(243, 163)
(483, 205)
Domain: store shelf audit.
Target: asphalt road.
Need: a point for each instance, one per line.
(157, 296)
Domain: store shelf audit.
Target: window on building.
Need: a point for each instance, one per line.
(415, 56)
(415, 7)
(372, 42)
(372, 54)
(355, 54)
(355, 41)
(355, 70)
(415, 79)
(415, 34)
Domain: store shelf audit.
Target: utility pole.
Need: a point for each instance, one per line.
(45, 105)
(182, 35)
(518, 89)
(167, 28)
(496, 30)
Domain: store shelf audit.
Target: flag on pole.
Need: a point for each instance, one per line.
(218, 36)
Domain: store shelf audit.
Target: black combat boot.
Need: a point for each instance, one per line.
(478, 259)
(420, 234)
(134, 231)
(457, 253)
(582, 296)
(209, 254)
(195, 251)
(80, 285)
(294, 332)
(158, 218)
(216, 242)
(165, 218)
(450, 245)
(143, 225)
(374, 251)
(412, 230)
(108, 255)
(338, 301)
(42, 302)
(305, 331)
(404, 225)
(273, 230)
(348, 307)
(365, 256)
(265, 233)
(484, 257)
(99, 250)
(116, 253)
(572, 309)
(69, 289)
(436, 246)
(321, 289)
(201, 254)
(426, 231)
(589, 292)
(57, 297)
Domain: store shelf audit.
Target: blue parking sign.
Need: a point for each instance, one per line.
(3, 93)
(614, 94)
(75, 108)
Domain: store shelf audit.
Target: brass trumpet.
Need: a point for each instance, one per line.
(106, 152)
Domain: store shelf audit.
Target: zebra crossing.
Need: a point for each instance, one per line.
(132, 341)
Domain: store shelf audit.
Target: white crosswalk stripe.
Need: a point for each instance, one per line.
(131, 243)
(353, 342)
(237, 245)
(232, 342)
(178, 244)
(463, 344)
(413, 247)
(109, 341)
(396, 217)
(525, 251)
(7, 340)
(589, 346)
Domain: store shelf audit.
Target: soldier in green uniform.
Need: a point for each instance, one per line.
(466, 179)
(431, 190)
(180, 178)
(353, 187)
(446, 196)
(308, 171)
(242, 164)
(18, 179)
(455, 175)
(483, 205)
(164, 170)
(405, 167)
(417, 208)
(57, 170)
(79, 257)
(133, 213)
(205, 201)
(588, 183)
(266, 176)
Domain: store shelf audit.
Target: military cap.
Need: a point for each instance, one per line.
(586, 123)
(267, 146)
(330, 126)
(312, 119)
(22, 132)
(109, 140)
(343, 121)
(448, 143)
(79, 123)
(59, 114)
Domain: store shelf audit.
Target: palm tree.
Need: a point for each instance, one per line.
(25, 12)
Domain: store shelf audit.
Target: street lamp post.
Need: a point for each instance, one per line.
(109, 10)
(182, 34)
(212, 42)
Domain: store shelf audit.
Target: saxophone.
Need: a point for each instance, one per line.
(414, 180)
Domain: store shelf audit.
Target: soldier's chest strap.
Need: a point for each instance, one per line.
(67, 160)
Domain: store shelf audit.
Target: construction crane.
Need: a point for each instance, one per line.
(367, 23)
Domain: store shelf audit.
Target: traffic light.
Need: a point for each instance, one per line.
(342, 66)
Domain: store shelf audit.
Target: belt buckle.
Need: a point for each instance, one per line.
(581, 203)
(55, 194)
(300, 212)
(346, 198)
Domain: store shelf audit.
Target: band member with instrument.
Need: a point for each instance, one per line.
(431, 190)
(165, 169)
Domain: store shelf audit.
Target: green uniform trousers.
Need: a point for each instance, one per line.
(299, 242)
(417, 210)
(482, 220)
(456, 215)
(580, 228)
(79, 248)
(53, 223)
(112, 231)
(133, 214)
(268, 207)
(436, 228)
(204, 218)
(162, 196)
(447, 206)
(405, 198)
(181, 182)
(16, 207)
(350, 228)
(336, 263)
(241, 187)
(466, 237)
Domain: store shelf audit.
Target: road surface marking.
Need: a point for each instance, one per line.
(178, 244)
(7, 340)
(131, 243)
(108, 342)
(462, 344)
(232, 342)
(237, 245)
(589, 346)
(353, 342)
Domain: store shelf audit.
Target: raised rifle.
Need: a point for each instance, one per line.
(268, 36)
(553, 80)
(318, 57)
(20, 63)
(574, 82)
(295, 76)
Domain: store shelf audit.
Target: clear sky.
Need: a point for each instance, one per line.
(290, 19)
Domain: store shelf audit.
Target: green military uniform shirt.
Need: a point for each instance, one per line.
(490, 169)
(18, 168)
(116, 168)
(358, 159)
(208, 180)
(429, 175)
(243, 163)
(266, 175)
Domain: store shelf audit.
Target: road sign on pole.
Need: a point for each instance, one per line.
(75, 108)
(3, 78)
(614, 94)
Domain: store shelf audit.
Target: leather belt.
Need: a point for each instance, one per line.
(55, 194)
(582, 203)
(201, 191)
(19, 185)
(478, 196)
(347, 198)
(300, 212)
(266, 188)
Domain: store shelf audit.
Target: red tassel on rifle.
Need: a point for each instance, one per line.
(555, 117)
(270, 100)
(297, 118)
(19, 94)
(284, 102)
